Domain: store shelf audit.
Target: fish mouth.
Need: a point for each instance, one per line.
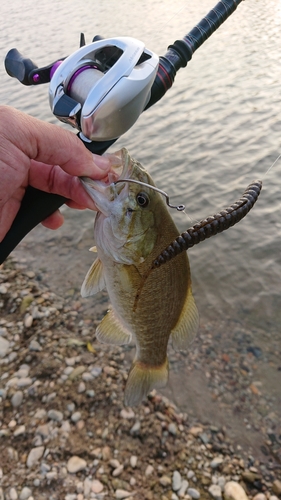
(104, 191)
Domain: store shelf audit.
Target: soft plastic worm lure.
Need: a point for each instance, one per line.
(211, 225)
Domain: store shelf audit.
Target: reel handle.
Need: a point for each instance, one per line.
(19, 66)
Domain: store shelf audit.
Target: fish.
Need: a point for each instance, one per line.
(148, 306)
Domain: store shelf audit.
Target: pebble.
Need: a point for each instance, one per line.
(77, 372)
(116, 472)
(172, 428)
(17, 399)
(165, 481)
(25, 493)
(35, 346)
(28, 320)
(13, 494)
(133, 461)
(119, 494)
(259, 496)
(216, 462)
(24, 382)
(81, 387)
(234, 491)
(149, 470)
(136, 428)
(4, 347)
(127, 414)
(183, 488)
(176, 483)
(34, 456)
(19, 431)
(215, 491)
(97, 486)
(276, 487)
(75, 464)
(55, 415)
(76, 416)
(193, 493)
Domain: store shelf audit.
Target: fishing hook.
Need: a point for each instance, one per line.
(180, 208)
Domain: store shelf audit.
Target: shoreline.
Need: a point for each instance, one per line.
(65, 433)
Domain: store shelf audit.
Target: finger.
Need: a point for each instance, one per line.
(54, 221)
(51, 144)
(52, 179)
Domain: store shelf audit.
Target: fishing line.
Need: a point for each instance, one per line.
(272, 165)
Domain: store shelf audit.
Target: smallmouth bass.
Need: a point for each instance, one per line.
(132, 227)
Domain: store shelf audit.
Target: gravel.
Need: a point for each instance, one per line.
(66, 435)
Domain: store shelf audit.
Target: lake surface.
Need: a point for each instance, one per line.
(215, 131)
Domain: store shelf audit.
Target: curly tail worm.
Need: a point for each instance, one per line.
(211, 225)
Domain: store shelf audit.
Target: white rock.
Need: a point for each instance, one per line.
(55, 415)
(17, 398)
(183, 488)
(81, 388)
(193, 493)
(215, 491)
(19, 431)
(260, 496)
(176, 483)
(87, 487)
(216, 462)
(233, 491)
(165, 481)
(35, 346)
(24, 382)
(127, 414)
(34, 456)
(97, 486)
(149, 470)
(75, 464)
(25, 493)
(76, 416)
(28, 320)
(133, 461)
(119, 494)
(118, 471)
(13, 494)
(4, 347)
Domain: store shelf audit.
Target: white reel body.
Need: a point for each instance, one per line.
(102, 88)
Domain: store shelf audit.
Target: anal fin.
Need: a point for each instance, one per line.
(187, 326)
(142, 379)
(111, 331)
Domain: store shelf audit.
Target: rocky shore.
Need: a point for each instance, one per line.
(66, 435)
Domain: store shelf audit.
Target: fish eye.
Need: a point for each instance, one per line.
(142, 199)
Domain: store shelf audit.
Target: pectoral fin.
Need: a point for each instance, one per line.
(142, 379)
(186, 328)
(111, 331)
(94, 281)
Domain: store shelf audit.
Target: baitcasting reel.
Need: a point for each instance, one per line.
(101, 89)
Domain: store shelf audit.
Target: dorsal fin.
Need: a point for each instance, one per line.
(94, 281)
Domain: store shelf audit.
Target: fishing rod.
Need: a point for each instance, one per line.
(101, 89)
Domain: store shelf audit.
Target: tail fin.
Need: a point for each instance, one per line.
(142, 379)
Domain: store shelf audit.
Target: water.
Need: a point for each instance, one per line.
(217, 130)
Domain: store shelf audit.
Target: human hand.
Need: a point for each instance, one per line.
(46, 157)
